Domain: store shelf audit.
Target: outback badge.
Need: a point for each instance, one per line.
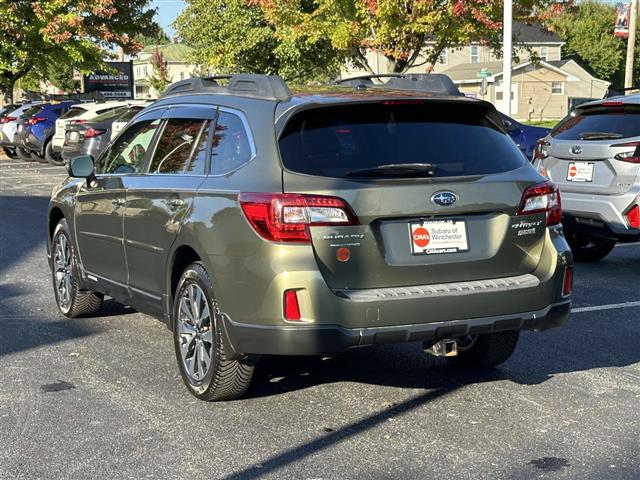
(444, 199)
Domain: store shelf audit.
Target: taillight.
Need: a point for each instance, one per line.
(286, 217)
(540, 152)
(78, 122)
(633, 217)
(291, 306)
(34, 120)
(8, 119)
(93, 132)
(632, 156)
(543, 197)
(567, 282)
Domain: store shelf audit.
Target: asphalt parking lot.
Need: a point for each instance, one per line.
(102, 397)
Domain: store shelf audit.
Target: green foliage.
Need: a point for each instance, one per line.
(147, 39)
(235, 36)
(40, 34)
(160, 78)
(588, 31)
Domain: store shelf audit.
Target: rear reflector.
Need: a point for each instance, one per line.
(93, 132)
(291, 307)
(286, 217)
(633, 217)
(542, 198)
(567, 283)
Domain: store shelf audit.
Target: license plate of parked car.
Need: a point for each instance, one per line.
(73, 136)
(580, 172)
(441, 236)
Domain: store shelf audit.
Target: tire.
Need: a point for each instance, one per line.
(9, 152)
(196, 332)
(486, 350)
(37, 158)
(72, 302)
(23, 154)
(51, 157)
(589, 249)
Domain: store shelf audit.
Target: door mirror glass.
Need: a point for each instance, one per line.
(81, 166)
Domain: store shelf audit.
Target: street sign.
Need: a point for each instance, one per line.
(484, 73)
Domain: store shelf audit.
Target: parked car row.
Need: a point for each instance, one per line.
(43, 131)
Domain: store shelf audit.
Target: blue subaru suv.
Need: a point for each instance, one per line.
(36, 128)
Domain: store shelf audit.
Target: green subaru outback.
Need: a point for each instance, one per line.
(255, 219)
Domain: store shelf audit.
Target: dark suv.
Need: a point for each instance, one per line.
(258, 220)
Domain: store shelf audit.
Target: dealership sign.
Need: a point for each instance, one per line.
(623, 17)
(117, 83)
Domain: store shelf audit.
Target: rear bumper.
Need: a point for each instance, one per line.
(250, 339)
(600, 215)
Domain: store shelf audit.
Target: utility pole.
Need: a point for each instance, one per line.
(631, 45)
(507, 34)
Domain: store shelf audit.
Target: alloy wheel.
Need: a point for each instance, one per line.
(63, 270)
(195, 332)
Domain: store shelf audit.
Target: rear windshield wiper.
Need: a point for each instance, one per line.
(599, 136)
(396, 170)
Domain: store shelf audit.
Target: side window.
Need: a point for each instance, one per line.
(127, 153)
(173, 152)
(230, 147)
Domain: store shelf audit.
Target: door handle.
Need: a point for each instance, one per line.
(176, 202)
(118, 202)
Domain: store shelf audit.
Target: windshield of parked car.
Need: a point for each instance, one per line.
(395, 139)
(602, 123)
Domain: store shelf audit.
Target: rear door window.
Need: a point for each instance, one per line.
(451, 139)
(599, 124)
(179, 139)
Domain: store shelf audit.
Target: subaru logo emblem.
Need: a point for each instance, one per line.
(444, 199)
(576, 149)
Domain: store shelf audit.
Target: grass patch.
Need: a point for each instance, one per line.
(542, 123)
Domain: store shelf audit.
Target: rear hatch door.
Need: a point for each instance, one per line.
(593, 151)
(455, 222)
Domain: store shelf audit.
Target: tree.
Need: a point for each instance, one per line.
(160, 77)
(397, 29)
(39, 34)
(587, 30)
(235, 36)
(160, 38)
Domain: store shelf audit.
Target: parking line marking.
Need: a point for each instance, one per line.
(611, 306)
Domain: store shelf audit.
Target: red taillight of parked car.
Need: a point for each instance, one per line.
(540, 152)
(286, 217)
(35, 120)
(93, 132)
(567, 282)
(542, 198)
(632, 156)
(633, 217)
(8, 119)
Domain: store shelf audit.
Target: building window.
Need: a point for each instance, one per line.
(144, 71)
(557, 88)
(442, 58)
(475, 54)
(544, 53)
(500, 96)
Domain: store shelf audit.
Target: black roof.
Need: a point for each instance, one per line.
(534, 33)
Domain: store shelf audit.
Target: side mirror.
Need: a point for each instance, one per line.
(507, 124)
(81, 167)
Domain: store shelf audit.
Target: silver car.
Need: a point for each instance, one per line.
(8, 127)
(594, 156)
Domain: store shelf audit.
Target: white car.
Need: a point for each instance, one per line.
(122, 120)
(80, 113)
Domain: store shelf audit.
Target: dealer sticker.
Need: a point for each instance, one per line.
(580, 172)
(442, 236)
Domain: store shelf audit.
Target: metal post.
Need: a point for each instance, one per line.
(507, 34)
(631, 45)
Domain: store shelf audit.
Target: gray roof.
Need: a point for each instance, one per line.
(469, 71)
(534, 33)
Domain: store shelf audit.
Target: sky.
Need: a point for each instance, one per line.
(167, 12)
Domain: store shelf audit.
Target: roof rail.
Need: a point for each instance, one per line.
(269, 87)
(419, 82)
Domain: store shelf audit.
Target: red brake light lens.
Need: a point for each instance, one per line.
(93, 132)
(543, 197)
(632, 156)
(78, 122)
(291, 306)
(286, 217)
(633, 217)
(34, 120)
(8, 119)
(567, 283)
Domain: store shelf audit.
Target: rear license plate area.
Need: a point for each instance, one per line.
(580, 172)
(438, 237)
